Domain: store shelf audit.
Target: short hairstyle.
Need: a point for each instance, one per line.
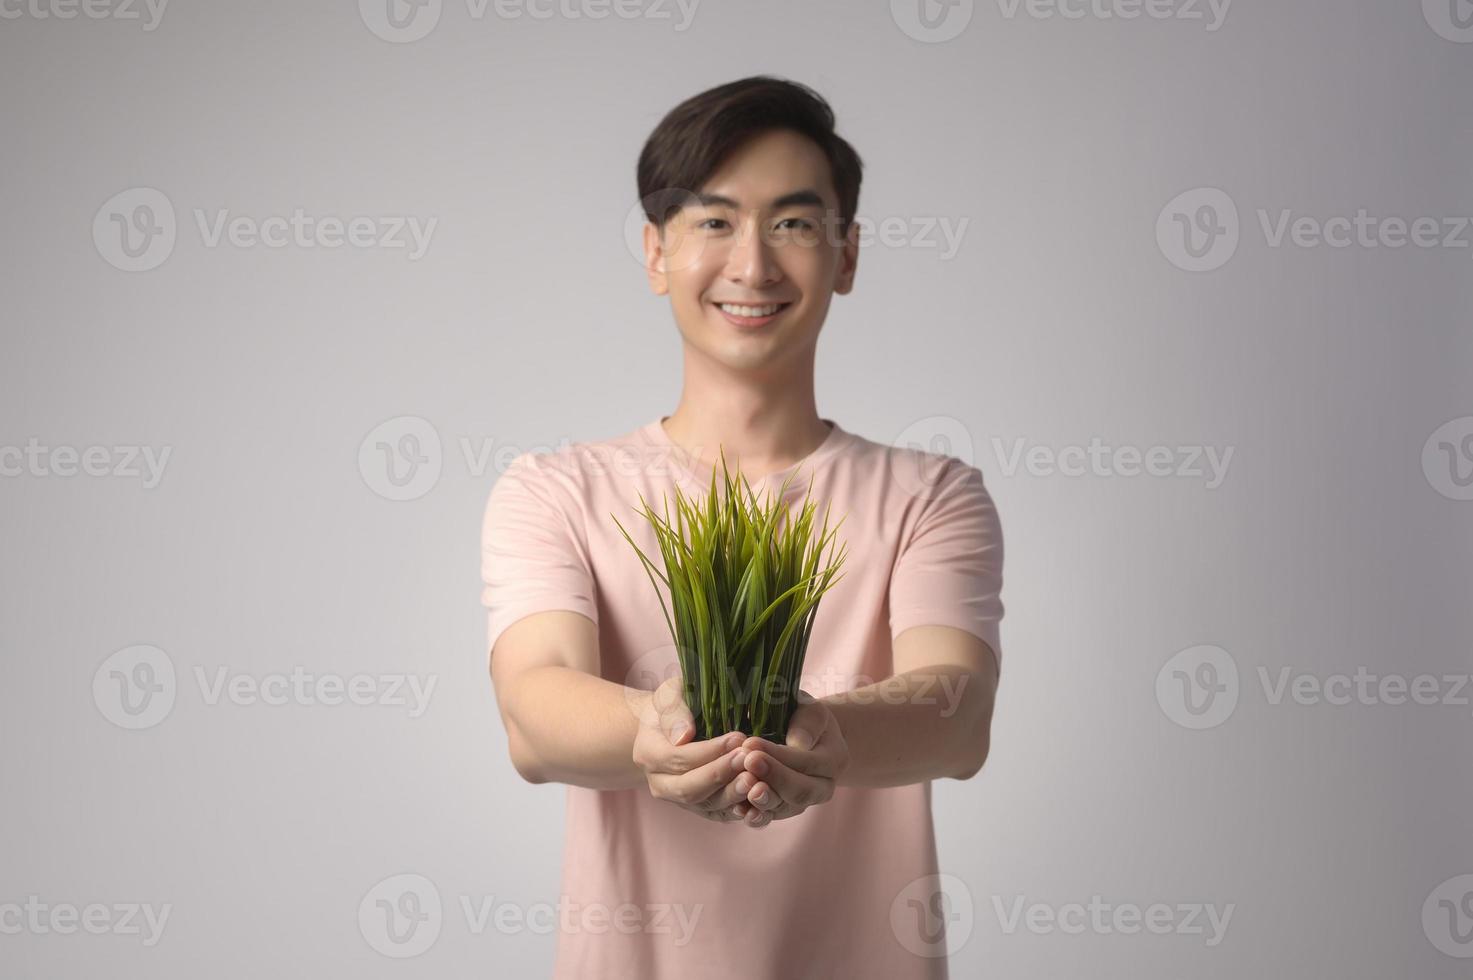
(697, 136)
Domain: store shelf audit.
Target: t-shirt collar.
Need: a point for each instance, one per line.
(697, 474)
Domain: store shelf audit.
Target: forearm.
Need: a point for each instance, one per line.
(930, 723)
(568, 726)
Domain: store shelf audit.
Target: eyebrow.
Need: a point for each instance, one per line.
(794, 199)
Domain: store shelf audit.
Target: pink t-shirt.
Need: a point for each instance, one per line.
(651, 891)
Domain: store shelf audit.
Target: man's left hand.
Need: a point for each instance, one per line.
(782, 781)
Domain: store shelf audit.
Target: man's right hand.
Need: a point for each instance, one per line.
(697, 776)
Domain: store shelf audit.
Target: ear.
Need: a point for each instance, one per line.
(654, 260)
(848, 260)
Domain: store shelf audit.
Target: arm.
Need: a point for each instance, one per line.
(566, 724)
(931, 720)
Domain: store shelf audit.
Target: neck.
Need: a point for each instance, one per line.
(763, 423)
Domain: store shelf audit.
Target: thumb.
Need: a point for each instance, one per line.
(807, 723)
(675, 719)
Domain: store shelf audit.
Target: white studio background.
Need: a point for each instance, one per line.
(1233, 232)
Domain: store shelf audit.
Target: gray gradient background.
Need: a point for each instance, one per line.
(265, 546)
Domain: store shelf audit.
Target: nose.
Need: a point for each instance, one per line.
(751, 261)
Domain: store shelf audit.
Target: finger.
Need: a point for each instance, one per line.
(787, 784)
(761, 818)
(734, 793)
(808, 722)
(762, 797)
(698, 785)
(677, 760)
(729, 815)
(784, 811)
(817, 761)
(739, 789)
(675, 718)
(661, 709)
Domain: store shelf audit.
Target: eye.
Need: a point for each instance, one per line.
(703, 224)
(803, 222)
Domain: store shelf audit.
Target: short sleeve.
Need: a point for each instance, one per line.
(949, 570)
(531, 558)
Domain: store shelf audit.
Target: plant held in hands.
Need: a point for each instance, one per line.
(745, 582)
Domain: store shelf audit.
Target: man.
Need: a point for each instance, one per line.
(733, 856)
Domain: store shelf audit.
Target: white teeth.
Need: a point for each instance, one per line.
(751, 310)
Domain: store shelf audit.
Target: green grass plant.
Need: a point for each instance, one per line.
(744, 577)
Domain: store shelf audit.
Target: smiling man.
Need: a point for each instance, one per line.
(815, 858)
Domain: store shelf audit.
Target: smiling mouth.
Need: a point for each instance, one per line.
(751, 316)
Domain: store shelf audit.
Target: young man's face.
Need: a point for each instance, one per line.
(746, 245)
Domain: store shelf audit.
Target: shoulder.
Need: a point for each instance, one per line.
(918, 479)
(568, 472)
